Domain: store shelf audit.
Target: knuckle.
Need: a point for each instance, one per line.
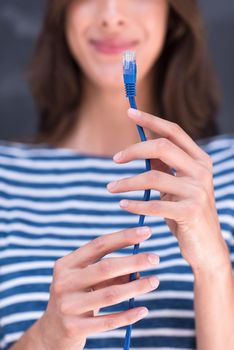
(58, 266)
(63, 307)
(144, 260)
(99, 244)
(174, 128)
(192, 209)
(155, 205)
(202, 199)
(129, 236)
(199, 193)
(111, 323)
(111, 295)
(162, 144)
(153, 175)
(69, 330)
(208, 160)
(105, 267)
(129, 318)
(58, 287)
(204, 174)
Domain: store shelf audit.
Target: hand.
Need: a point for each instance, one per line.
(82, 284)
(187, 199)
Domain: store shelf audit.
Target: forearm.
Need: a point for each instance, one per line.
(31, 339)
(214, 308)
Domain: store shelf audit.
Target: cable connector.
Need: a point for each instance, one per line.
(130, 73)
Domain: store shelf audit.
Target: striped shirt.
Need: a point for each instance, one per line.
(54, 200)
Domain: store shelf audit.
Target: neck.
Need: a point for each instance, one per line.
(103, 127)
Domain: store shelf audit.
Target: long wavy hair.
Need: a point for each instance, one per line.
(186, 88)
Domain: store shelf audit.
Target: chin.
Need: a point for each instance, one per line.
(107, 79)
(110, 84)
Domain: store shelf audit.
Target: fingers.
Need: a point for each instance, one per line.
(113, 267)
(97, 324)
(103, 245)
(166, 209)
(171, 131)
(108, 268)
(155, 180)
(117, 320)
(79, 303)
(115, 280)
(111, 282)
(164, 150)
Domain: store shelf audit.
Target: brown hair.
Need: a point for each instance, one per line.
(186, 88)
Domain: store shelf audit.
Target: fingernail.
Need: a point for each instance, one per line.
(143, 312)
(134, 111)
(153, 281)
(153, 259)
(118, 156)
(124, 203)
(112, 185)
(142, 231)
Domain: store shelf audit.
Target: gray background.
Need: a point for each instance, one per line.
(19, 25)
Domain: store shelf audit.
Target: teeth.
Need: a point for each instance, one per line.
(129, 56)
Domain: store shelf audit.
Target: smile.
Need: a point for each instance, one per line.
(106, 48)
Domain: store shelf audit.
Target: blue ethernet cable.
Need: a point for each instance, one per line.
(130, 75)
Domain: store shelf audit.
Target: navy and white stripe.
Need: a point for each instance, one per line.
(54, 200)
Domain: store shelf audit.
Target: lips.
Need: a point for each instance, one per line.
(112, 46)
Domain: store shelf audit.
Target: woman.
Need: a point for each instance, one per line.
(66, 242)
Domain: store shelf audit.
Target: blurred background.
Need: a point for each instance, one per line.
(20, 22)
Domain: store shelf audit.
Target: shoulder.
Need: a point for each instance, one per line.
(17, 150)
(27, 154)
(220, 148)
(216, 143)
(21, 160)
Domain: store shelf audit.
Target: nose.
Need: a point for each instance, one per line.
(110, 14)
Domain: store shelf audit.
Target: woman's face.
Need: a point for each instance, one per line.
(99, 31)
